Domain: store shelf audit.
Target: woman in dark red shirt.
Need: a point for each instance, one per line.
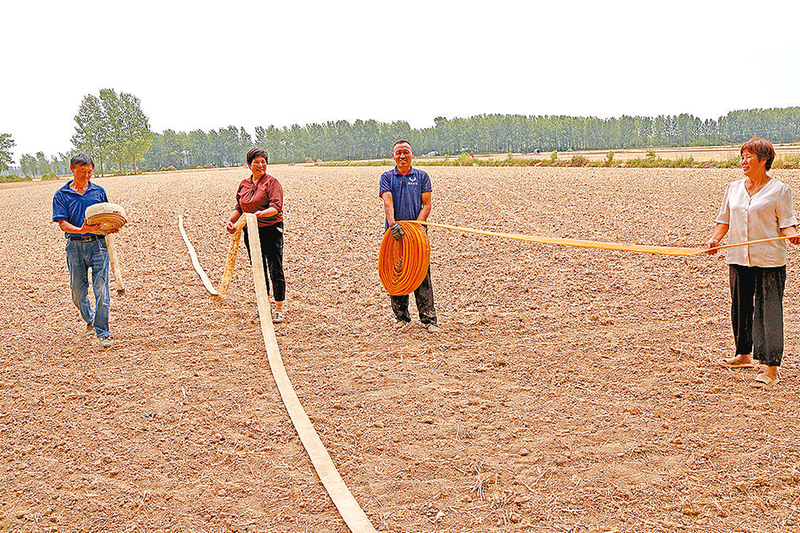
(262, 195)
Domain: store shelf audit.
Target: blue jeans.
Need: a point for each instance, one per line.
(81, 256)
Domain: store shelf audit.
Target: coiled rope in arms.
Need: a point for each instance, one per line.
(403, 264)
(106, 217)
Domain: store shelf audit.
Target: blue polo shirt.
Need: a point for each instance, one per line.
(70, 206)
(406, 192)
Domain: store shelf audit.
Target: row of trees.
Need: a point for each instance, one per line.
(40, 165)
(370, 139)
(113, 128)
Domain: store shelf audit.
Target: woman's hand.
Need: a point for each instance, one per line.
(229, 227)
(720, 230)
(792, 233)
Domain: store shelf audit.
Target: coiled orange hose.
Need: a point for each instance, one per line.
(403, 264)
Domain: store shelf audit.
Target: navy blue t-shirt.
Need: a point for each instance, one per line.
(70, 206)
(406, 192)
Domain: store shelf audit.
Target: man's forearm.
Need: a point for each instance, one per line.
(66, 227)
(388, 208)
(424, 212)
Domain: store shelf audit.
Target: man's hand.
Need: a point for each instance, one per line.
(397, 231)
(229, 227)
(88, 228)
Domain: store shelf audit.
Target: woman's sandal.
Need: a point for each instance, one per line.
(734, 362)
(763, 381)
(278, 317)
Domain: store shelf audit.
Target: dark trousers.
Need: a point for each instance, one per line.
(424, 298)
(757, 311)
(271, 240)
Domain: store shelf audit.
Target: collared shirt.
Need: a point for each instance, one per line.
(71, 206)
(252, 197)
(760, 216)
(406, 192)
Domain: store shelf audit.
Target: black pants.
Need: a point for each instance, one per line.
(271, 240)
(757, 311)
(424, 298)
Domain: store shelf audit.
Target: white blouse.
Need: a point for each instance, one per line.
(760, 216)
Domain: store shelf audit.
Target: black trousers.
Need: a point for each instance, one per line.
(271, 240)
(424, 298)
(757, 311)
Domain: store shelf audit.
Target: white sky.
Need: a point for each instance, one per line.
(210, 64)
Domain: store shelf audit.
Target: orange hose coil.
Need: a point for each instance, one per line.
(403, 264)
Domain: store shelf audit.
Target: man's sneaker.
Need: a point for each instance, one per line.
(89, 328)
(432, 328)
(106, 342)
(400, 324)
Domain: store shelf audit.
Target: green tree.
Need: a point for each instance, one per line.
(128, 127)
(6, 144)
(43, 164)
(112, 127)
(92, 132)
(28, 165)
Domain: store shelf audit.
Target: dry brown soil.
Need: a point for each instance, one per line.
(569, 389)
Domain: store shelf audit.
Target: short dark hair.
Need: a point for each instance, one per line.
(761, 148)
(256, 152)
(81, 159)
(401, 141)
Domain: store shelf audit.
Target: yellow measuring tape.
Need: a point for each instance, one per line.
(661, 250)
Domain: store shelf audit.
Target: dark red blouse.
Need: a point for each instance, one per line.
(260, 196)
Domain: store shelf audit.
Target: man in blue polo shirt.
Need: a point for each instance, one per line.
(86, 248)
(406, 194)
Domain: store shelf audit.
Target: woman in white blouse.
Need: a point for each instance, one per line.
(757, 207)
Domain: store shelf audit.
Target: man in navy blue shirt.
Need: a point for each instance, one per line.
(406, 194)
(86, 248)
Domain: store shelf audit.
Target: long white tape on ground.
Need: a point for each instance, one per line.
(348, 507)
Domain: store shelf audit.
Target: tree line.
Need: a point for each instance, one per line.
(115, 131)
(343, 140)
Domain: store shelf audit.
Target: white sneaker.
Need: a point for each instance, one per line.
(106, 342)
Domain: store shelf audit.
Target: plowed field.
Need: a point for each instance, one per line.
(569, 389)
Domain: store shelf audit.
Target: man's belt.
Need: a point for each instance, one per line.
(87, 238)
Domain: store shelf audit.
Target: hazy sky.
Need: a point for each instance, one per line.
(205, 64)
